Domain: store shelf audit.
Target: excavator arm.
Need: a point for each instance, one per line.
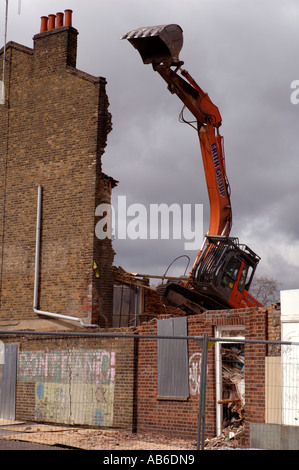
(160, 46)
(223, 269)
(208, 120)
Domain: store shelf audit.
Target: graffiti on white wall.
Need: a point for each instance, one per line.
(290, 375)
(71, 387)
(194, 373)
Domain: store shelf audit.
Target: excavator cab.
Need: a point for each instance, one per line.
(220, 279)
(157, 44)
(225, 271)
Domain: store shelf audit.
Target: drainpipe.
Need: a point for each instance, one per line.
(36, 272)
(2, 100)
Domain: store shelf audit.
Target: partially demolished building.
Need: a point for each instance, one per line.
(55, 121)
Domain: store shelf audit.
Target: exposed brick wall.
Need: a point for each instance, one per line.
(274, 329)
(180, 417)
(54, 129)
(154, 307)
(256, 329)
(45, 368)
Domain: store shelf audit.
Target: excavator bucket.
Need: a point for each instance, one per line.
(157, 44)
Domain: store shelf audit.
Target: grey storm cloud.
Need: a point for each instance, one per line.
(244, 54)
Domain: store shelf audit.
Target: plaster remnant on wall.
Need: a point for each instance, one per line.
(66, 380)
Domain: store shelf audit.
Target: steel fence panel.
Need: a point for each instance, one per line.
(99, 390)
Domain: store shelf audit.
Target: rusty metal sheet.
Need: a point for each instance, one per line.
(8, 382)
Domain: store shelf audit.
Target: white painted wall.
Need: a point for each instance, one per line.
(289, 300)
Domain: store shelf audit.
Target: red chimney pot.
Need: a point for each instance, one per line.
(59, 19)
(44, 24)
(68, 17)
(52, 19)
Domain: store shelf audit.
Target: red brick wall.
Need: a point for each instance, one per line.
(54, 128)
(256, 330)
(179, 418)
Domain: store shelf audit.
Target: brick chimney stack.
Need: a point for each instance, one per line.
(56, 43)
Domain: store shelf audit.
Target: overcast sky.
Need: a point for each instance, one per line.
(245, 55)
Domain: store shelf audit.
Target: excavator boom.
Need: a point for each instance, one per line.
(161, 46)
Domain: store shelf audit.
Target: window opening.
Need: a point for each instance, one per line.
(127, 305)
(242, 280)
(231, 273)
(249, 277)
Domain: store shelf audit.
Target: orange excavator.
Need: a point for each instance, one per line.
(223, 269)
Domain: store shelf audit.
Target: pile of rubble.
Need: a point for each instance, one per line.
(230, 437)
(233, 397)
(233, 384)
